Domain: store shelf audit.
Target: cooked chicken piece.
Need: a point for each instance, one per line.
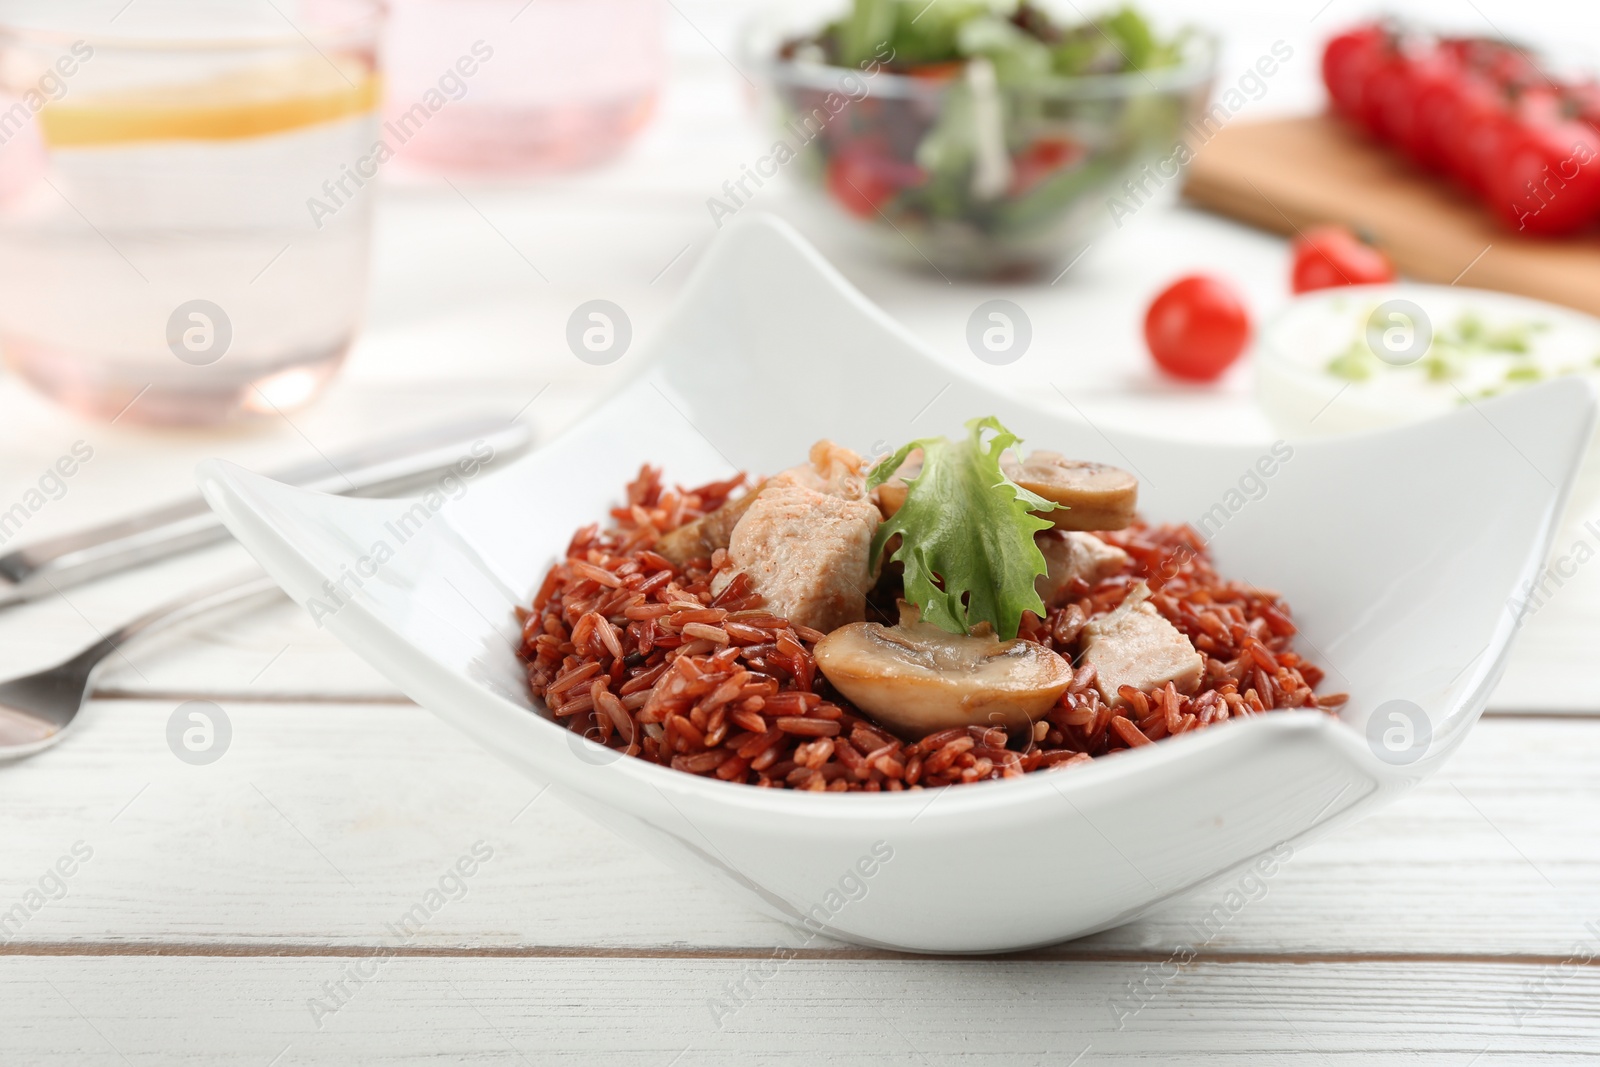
(917, 679)
(1097, 497)
(831, 469)
(700, 538)
(1135, 646)
(807, 553)
(1072, 554)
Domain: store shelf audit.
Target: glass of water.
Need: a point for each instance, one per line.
(184, 200)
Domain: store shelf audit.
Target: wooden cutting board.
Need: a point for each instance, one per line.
(1289, 174)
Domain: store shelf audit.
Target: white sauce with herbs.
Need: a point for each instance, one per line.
(1319, 370)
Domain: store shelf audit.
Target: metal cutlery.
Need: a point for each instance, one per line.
(383, 468)
(36, 709)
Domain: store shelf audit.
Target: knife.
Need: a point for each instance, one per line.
(383, 468)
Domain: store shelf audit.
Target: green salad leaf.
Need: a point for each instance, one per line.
(966, 532)
(1019, 58)
(1025, 42)
(918, 33)
(1137, 42)
(1114, 43)
(868, 24)
(925, 35)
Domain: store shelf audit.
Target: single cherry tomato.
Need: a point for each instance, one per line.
(1197, 327)
(862, 183)
(1347, 62)
(1330, 256)
(1546, 181)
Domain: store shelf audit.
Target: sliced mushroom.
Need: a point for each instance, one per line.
(919, 679)
(1097, 496)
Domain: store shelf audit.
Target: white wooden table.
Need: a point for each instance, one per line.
(240, 912)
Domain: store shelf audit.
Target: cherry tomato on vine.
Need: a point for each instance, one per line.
(1197, 327)
(1546, 178)
(1386, 94)
(1329, 256)
(1347, 63)
(1585, 98)
(1432, 134)
(1468, 130)
(1404, 99)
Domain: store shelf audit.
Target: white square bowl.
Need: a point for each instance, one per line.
(1401, 553)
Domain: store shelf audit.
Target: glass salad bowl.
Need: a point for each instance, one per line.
(976, 167)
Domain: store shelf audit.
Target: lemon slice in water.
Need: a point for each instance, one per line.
(249, 103)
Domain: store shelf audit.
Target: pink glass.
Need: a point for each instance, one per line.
(513, 86)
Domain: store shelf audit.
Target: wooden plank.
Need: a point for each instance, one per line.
(661, 1012)
(1292, 173)
(322, 823)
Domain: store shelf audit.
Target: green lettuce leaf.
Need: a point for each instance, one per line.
(966, 532)
(868, 24)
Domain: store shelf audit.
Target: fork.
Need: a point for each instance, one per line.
(36, 709)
